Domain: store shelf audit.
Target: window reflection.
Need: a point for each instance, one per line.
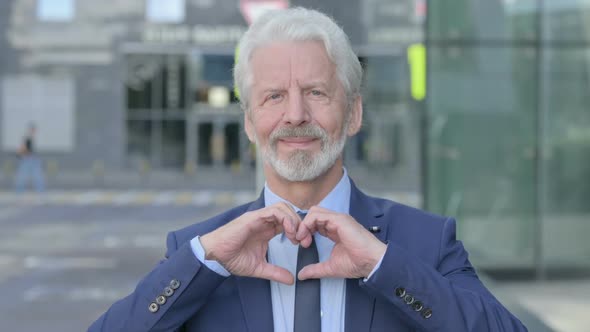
(56, 10)
(567, 20)
(387, 145)
(508, 125)
(165, 11)
(480, 20)
(212, 73)
(156, 83)
(138, 140)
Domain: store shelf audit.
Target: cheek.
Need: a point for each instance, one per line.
(333, 126)
(265, 124)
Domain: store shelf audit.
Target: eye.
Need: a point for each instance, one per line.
(316, 92)
(273, 98)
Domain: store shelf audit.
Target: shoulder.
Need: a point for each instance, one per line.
(399, 209)
(187, 233)
(408, 217)
(393, 211)
(423, 234)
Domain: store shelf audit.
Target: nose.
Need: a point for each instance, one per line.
(297, 112)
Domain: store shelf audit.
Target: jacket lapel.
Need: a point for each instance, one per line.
(256, 303)
(255, 294)
(359, 304)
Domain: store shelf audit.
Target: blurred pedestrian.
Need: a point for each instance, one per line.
(30, 166)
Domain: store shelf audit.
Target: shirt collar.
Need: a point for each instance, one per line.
(338, 200)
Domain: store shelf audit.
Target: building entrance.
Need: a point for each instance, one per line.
(181, 110)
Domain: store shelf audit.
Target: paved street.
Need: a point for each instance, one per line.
(62, 265)
(66, 256)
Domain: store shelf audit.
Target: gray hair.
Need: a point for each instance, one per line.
(298, 24)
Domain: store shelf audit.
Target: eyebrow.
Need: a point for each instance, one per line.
(313, 84)
(266, 91)
(268, 88)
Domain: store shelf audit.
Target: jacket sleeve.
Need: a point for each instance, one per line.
(166, 298)
(449, 297)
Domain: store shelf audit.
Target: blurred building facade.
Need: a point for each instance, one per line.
(148, 84)
(501, 141)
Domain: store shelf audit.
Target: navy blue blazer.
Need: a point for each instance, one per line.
(425, 283)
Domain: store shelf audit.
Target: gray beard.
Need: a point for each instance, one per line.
(302, 165)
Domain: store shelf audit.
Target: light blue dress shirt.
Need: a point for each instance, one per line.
(283, 253)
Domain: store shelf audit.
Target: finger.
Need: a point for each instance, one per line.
(275, 273)
(312, 224)
(290, 221)
(290, 210)
(304, 234)
(328, 223)
(274, 216)
(316, 271)
(321, 227)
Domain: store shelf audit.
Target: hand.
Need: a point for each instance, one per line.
(356, 251)
(241, 245)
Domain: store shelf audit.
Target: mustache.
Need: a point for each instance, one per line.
(304, 131)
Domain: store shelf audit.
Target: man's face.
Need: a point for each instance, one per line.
(299, 116)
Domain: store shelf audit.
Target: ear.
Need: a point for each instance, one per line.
(356, 118)
(249, 126)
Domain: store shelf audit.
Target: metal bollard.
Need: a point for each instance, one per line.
(8, 168)
(98, 172)
(144, 170)
(52, 168)
(236, 166)
(190, 168)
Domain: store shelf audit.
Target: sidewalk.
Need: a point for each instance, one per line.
(157, 197)
(562, 305)
(205, 178)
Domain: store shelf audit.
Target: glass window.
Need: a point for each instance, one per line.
(139, 133)
(48, 102)
(173, 143)
(144, 82)
(481, 142)
(156, 82)
(482, 19)
(566, 158)
(386, 79)
(210, 72)
(566, 20)
(165, 11)
(56, 10)
(385, 153)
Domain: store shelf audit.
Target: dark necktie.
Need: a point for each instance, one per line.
(307, 292)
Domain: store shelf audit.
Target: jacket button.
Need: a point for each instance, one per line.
(409, 299)
(160, 300)
(153, 307)
(427, 313)
(417, 306)
(174, 284)
(400, 292)
(168, 291)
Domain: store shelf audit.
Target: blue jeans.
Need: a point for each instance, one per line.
(29, 167)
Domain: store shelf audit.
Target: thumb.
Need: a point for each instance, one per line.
(315, 271)
(275, 273)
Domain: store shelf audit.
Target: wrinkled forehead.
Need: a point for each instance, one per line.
(301, 61)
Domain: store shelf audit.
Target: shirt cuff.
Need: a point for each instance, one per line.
(211, 264)
(377, 266)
